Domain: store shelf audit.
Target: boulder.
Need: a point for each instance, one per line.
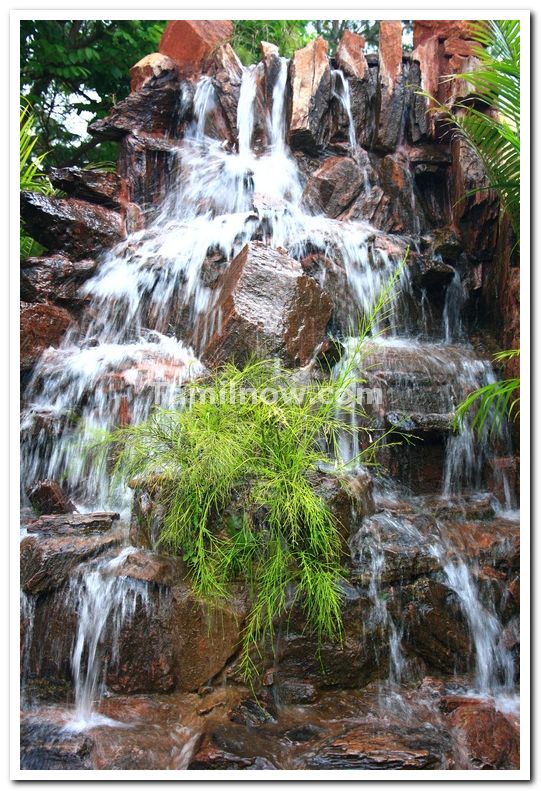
(55, 279)
(333, 186)
(268, 306)
(101, 187)
(159, 107)
(350, 55)
(150, 67)
(229, 748)
(391, 87)
(48, 497)
(489, 738)
(310, 78)
(189, 42)
(150, 166)
(64, 523)
(225, 69)
(42, 325)
(370, 747)
(48, 746)
(47, 561)
(75, 227)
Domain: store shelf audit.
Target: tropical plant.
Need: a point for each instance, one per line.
(236, 467)
(287, 34)
(493, 404)
(32, 177)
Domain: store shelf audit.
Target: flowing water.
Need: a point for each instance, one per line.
(151, 312)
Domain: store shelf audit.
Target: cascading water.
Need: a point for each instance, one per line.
(341, 92)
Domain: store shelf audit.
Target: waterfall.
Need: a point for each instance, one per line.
(277, 127)
(343, 95)
(245, 110)
(105, 602)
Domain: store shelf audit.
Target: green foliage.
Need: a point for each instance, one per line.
(82, 65)
(493, 404)
(287, 34)
(32, 177)
(238, 480)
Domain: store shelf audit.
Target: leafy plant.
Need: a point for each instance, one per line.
(287, 34)
(236, 468)
(32, 177)
(494, 403)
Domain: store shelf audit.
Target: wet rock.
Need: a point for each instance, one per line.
(489, 738)
(349, 498)
(156, 109)
(333, 186)
(391, 86)
(48, 497)
(46, 746)
(303, 733)
(42, 325)
(72, 524)
(150, 167)
(204, 639)
(231, 749)
(152, 567)
(367, 748)
(56, 279)
(225, 69)
(47, 561)
(310, 78)
(251, 714)
(150, 67)
(350, 55)
(95, 186)
(495, 542)
(297, 692)
(189, 42)
(435, 626)
(268, 306)
(74, 227)
(271, 69)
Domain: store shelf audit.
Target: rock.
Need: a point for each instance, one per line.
(189, 42)
(310, 78)
(203, 638)
(232, 748)
(42, 325)
(365, 747)
(73, 524)
(435, 628)
(74, 227)
(159, 107)
(150, 67)
(271, 65)
(95, 186)
(495, 542)
(333, 186)
(56, 279)
(251, 714)
(268, 307)
(152, 567)
(391, 87)
(225, 69)
(297, 692)
(47, 561)
(350, 55)
(490, 740)
(150, 167)
(47, 497)
(47, 746)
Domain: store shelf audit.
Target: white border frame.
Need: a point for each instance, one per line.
(266, 775)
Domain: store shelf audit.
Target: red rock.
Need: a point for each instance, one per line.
(188, 42)
(333, 186)
(489, 738)
(95, 186)
(47, 561)
(47, 497)
(350, 55)
(73, 524)
(225, 69)
(42, 325)
(424, 29)
(310, 76)
(149, 67)
(390, 52)
(75, 227)
(268, 306)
